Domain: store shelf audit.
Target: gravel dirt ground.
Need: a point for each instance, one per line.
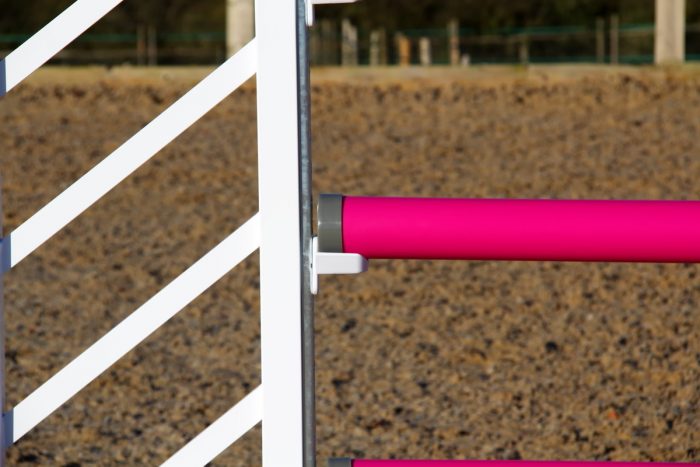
(432, 359)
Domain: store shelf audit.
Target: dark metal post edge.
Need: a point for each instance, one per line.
(306, 203)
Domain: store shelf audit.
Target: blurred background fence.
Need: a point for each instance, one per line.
(146, 46)
(605, 42)
(341, 43)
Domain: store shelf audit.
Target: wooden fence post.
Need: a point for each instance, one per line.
(614, 39)
(453, 34)
(349, 44)
(669, 32)
(600, 40)
(403, 47)
(425, 52)
(377, 47)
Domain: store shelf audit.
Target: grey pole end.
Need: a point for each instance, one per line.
(344, 462)
(330, 223)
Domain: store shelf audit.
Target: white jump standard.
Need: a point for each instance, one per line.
(351, 230)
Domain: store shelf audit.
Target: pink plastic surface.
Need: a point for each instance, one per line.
(427, 463)
(500, 229)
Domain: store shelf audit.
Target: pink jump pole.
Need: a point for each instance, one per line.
(436, 463)
(511, 229)
(500, 229)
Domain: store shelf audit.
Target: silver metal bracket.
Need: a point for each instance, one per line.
(333, 263)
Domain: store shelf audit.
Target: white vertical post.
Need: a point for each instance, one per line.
(669, 40)
(281, 292)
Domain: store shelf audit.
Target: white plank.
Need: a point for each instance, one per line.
(280, 242)
(221, 434)
(134, 329)
(133, 153)
(51, 39)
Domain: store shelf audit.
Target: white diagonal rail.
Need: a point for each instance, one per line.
(221, 434)
(133, 153)
(132, 330)
(53, 37)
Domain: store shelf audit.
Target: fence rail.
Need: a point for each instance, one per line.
(543, 44)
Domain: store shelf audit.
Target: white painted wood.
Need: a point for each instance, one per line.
(133, 153)
(222, 433)
(52, 38)
(134, 329)
(280, 246)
